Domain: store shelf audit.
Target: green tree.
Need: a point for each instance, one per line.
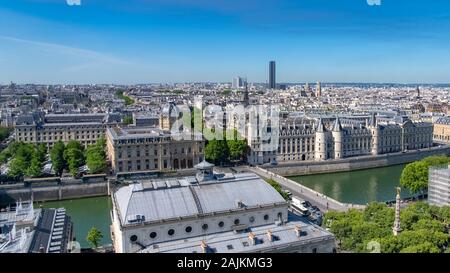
(74, 159)
(57, 157)
(424, 228)
(4, 132)
(73, 144)
(217, 151)
(41, 152)
(127, 120)
(415, 177)
(278, 188)
(17, 167)
(96, 157)
(426, 247)
(94, 237)
(74, 156)
(35, 168)
(238, 149)
(237, 146)
(128, 100)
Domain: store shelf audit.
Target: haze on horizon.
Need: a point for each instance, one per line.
(151, 41)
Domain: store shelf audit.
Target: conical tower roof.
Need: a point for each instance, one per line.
(337, 125)
(320, 128)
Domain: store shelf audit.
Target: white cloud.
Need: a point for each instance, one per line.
(73, 2)
(63, 49)
(370, 2)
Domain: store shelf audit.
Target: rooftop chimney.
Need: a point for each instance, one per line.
(252, 238)
(269, 236)
(298, 231)
(204, 246)
(240, 204)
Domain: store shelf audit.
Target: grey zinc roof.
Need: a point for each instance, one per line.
(239, 242)
(155, 205)
(252, 192)
(179, 200)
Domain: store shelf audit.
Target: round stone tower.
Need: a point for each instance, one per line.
(338, 135)
(320, 145)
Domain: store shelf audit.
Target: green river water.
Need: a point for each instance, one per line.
(86, 213)
(357, 187)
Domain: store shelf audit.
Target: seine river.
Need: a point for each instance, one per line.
(357, 187)
(86, 213)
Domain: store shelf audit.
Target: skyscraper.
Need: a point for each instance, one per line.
(318, 89)
(272, 81)
(238, 82)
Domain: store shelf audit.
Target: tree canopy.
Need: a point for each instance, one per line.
(424, 228)
(217, 151)
(231, 148)
(74, 156)
(4, 132)
(128, 100)
(96, 157)
(94, 237)
(26, 159)
(57, 157)
(278, 188)
(127, 120)
(415, 175)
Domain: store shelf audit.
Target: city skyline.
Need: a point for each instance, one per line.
(51, 42)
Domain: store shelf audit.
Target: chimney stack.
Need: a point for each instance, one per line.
(204, 246)
(252, 238)
(298, 231)
(269, 235)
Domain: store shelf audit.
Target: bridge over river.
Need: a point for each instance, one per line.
(323, 202)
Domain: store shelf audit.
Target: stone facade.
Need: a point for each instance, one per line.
(151, 149)
(441, 130)
(49, 129)
(342, 138)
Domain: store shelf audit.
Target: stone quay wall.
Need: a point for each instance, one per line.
(9, 194)
(353, 163)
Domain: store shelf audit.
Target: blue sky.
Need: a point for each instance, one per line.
(145, 41)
